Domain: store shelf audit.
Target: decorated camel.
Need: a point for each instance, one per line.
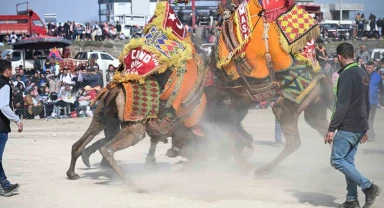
(266, 52)
(158, 89)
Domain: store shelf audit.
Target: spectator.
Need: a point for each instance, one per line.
(43, 81)
(23, 77)
(363, 54)
(110, 73)
(375, 86)
(372, 22)
(18, 83)
(92, 80)
(36, 63)
(18, 101)
(118, 28)
(66, 53)
(380, 26)
(66, 77)
(321, 53)
(54, 83)
(360, 62)
(33, 104)
(36, 79)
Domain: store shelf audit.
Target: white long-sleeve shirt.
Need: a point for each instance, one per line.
(4, 105)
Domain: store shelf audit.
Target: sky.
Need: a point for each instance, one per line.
(87, 10)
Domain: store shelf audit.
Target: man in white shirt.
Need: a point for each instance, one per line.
(6, 116)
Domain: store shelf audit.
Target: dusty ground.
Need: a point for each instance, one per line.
(39, 157)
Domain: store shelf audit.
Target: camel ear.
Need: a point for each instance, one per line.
(120, 68)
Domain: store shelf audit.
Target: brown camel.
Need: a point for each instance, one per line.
(108, 116)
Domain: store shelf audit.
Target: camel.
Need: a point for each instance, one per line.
(264, 56)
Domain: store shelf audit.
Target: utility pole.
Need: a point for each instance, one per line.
(341, 11)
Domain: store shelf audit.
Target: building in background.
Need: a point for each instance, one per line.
(332, 11)
(116, 10)
(50, 18)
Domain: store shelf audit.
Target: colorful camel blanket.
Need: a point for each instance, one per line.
(297, 27)
(141, 100)
(288, 30)
(298, 82)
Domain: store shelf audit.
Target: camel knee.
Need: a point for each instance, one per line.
(106, 152)
(294, 145)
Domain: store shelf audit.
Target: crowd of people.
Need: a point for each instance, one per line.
(53, 93)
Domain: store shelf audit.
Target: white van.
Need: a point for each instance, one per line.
(377, 54)
(21, 57)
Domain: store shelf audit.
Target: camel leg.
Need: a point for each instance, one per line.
(94, 129)
(110, 131)
(316, 117)
(129, 135)
(150, 160)
(289, 124)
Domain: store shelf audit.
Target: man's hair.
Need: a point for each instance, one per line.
(4, 65)
(370, 63)
(345, 50)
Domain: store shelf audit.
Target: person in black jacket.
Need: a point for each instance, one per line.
(350, 119)
(6, 116)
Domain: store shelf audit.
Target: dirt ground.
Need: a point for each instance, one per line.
(38, 159)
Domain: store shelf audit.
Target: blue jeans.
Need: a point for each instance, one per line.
(278, 132)
(343, 159)
(3, 179)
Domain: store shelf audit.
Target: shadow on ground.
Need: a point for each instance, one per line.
(97, 172)
(373, 151)
(313, 198)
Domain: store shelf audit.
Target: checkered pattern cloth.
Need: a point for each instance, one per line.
(162, 43)
(295, 24)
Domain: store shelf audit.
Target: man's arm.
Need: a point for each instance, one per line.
(4, 105)
(343, 100)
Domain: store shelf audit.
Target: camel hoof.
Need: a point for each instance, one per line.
(263, 172)
(85, 158)
(73, 176)
(150, 163)
(105, 164)
(173, 152)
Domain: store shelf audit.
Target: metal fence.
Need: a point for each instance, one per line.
(54, 96)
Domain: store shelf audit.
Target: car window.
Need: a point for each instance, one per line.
(94, 55)
(38, 23)
(16, 56)
(106, 56)
(376, 55)
(80, 56)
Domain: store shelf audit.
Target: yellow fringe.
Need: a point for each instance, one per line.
(301, 43)
(177, 59)
(224, 62)
(315, 66)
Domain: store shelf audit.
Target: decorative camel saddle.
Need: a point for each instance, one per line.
(165, 52)
(265, 40)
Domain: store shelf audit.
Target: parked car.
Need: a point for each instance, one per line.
(103, 59)
(377, 54)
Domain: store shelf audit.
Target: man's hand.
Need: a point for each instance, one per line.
(328, 139)
(364, 139)
(20, 125)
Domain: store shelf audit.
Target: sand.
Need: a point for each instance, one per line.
(38, 159)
